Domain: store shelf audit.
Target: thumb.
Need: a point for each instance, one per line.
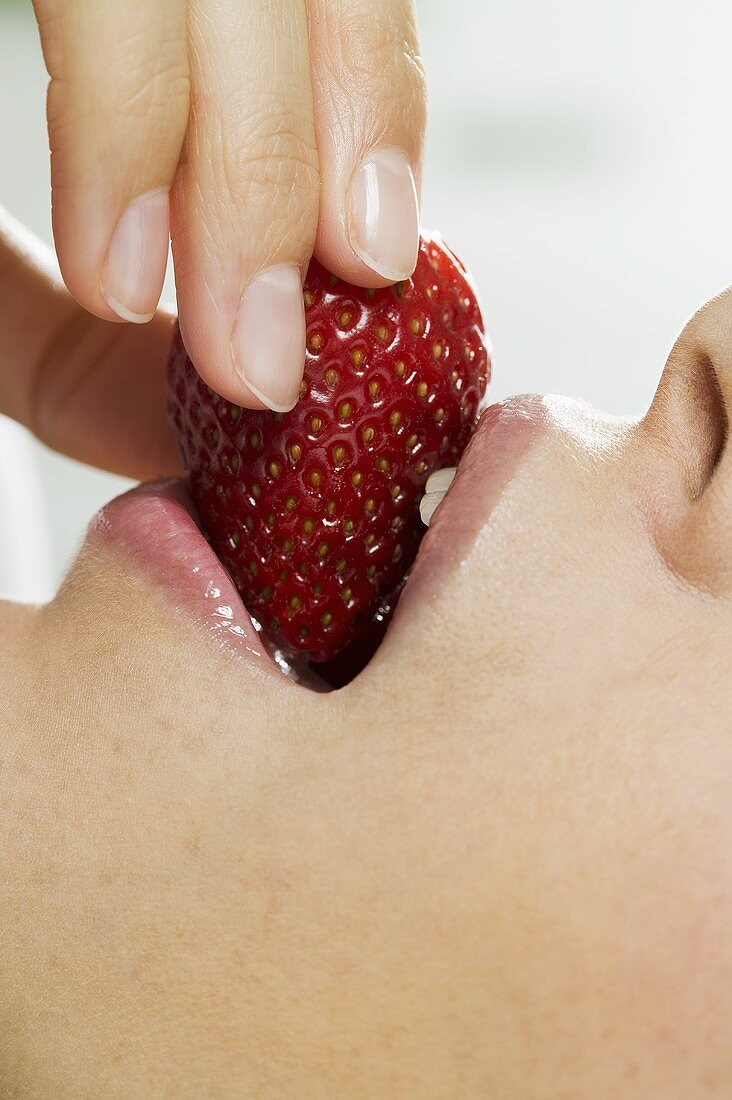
(91, 389)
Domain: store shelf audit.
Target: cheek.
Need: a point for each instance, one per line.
(695, 542)
(560, 589)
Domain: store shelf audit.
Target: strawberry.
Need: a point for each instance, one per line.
(315, 512)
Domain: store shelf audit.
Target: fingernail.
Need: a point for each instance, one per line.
(134, 270)
(268, 343)
(384, 215)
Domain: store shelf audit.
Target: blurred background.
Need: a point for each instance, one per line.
(579, 159)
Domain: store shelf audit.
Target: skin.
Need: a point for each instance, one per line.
(253, 118)
(496, 864)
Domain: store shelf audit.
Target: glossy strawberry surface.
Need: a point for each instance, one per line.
(315, 512)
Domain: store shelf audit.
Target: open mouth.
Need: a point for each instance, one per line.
(156, 529)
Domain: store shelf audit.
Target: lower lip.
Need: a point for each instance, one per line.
(505, 435)
(153, 529)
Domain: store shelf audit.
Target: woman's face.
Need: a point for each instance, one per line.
(498, 859)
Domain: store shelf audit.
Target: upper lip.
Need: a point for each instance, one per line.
(504, 435)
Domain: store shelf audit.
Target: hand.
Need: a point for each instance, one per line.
(259, 133)
(89, 388)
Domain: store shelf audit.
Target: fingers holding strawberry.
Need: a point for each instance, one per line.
(261, 134)
(246, 198)
(117, 108)
(369, 96)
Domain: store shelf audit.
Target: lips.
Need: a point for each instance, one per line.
(154, 529)
(505, 435)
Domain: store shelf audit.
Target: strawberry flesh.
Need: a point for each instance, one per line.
(315, 512)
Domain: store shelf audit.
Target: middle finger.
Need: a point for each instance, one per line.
(245, 207)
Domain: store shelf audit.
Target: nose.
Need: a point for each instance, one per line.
(688, 424)
(592, 429)
(689, 416)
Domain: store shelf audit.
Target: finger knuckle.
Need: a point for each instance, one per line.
(151, 87)
(140, 128)
(50, 27)
(377, 42)
(118, 96)
(273, 157)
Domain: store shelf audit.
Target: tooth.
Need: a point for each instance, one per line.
(429, 503)
(441, 480)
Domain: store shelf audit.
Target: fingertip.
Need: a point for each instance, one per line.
(132, 276)
(369, 229)
(268, 341)
(370, 113)
(383, 215)
(214, 360)
(117, 276)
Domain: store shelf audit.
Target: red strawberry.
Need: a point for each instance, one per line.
(315, 512)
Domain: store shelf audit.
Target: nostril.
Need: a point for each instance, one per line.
(689, 419)
(714, 420)
(690, 492)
